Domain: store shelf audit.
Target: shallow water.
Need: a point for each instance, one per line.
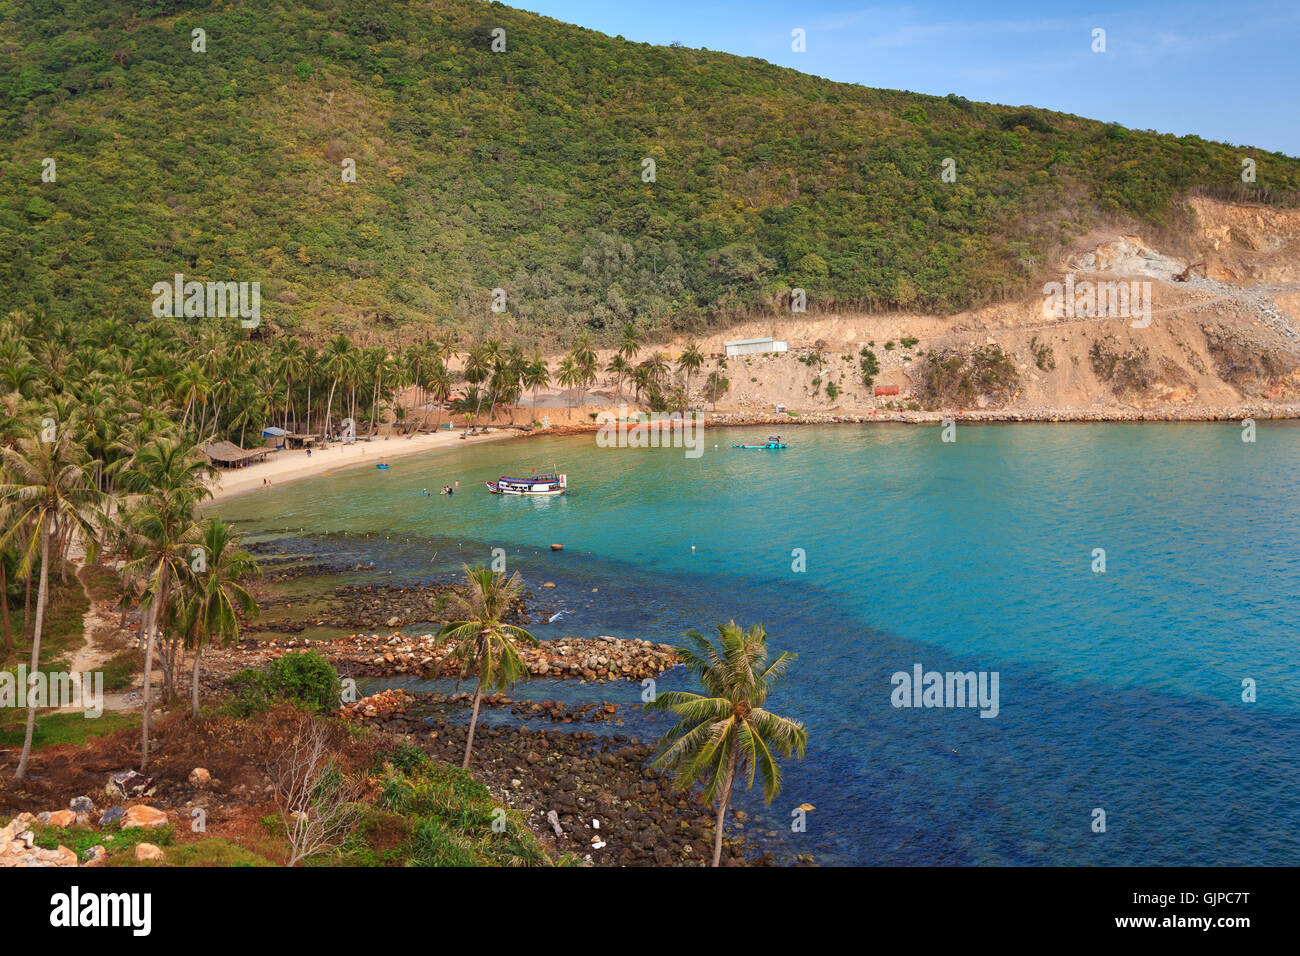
(1119, 690)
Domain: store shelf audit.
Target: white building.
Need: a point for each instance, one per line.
(754, 347)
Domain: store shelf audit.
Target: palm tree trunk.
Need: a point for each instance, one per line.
(27, 603)
(194, 688)
(329, 412)
(724, 798)
(469, 741)
(160, 599)
(4, 605)
(42, 595)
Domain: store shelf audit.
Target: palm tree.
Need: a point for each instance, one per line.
(288, 366)
(215, 597)
(48, 493)
(484, 644)
(537, 374)
(691, 360)
(584, 365)
(726, 733)
(618, 365)
(338, 365)
(162, 535)
(569, 375)
(438, 389)
(631, 343)
(475, 373)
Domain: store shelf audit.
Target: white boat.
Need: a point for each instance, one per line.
(538, 483)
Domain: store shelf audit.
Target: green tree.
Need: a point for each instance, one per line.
(726, 733)
(484, 643)
(46, 494)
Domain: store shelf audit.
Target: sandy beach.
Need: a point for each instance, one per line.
(292, 465)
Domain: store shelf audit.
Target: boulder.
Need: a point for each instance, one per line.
(62, 818)
(143, 815)
(111, 816)
(128, 784)
(147, 851)
(199, 777)
(96, 854)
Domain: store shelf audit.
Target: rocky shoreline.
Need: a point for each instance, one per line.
(586, 793)
(588, 660)
(990, 416)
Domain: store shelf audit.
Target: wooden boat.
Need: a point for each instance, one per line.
(770, 443)
(538, 483)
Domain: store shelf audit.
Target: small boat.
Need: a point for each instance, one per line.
(538, 483)
(382, 467)
(770, 443)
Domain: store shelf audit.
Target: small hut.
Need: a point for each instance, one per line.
(224, 454)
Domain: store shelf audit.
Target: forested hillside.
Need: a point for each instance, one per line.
(523, 170)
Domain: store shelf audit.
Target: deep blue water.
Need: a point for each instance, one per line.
(1119, 690)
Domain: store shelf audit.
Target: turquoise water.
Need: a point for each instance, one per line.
(1119, 690)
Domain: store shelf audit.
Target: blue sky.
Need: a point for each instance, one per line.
(1225, 71)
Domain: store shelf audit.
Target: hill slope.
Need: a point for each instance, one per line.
(523, 170)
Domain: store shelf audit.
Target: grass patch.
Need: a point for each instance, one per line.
(81, 839)
(63, 630)
(54, 730)
(210, 852)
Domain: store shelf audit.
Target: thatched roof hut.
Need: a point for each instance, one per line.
(224, 454)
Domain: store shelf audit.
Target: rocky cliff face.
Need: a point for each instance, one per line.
(1117, 331)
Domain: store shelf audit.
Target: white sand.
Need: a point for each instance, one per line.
(282, 467)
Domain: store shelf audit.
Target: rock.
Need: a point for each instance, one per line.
(553, 819)
(557, 547)
(81, 805)
(62, 818)
(143, 815)
(128, 784)
(199, 777)
(17, 850)
(96, 854)
(111, 816)
(147, 851)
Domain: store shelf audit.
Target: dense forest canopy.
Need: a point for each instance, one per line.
(523, 170)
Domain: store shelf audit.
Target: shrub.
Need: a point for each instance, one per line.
(307, 678)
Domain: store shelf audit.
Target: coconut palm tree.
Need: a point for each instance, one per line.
(476, 371)
(47, 494)
(537, 374)
(569, 375)
(213, 595)
(485, 644)
(691, 360)
(339, 361)
(163, 480)
(437, 386)
(618, 365)
(726, 733)
(631, 343)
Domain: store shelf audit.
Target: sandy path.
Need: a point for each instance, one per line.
(286, 466)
